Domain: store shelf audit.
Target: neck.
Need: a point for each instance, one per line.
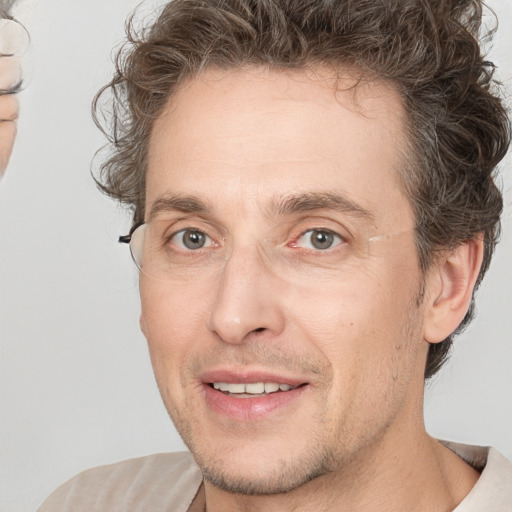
(415, 474)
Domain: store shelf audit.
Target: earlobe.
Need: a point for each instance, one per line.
(451, 284)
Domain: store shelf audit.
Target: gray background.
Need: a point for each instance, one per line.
(76, 386)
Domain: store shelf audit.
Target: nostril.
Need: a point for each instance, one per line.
(259, 329)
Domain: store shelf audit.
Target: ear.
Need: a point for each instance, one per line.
(450, 285)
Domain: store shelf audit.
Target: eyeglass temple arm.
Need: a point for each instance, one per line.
(126, 239)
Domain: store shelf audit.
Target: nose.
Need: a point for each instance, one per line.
(248, 300)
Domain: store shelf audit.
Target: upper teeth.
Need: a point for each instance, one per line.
(254, 388)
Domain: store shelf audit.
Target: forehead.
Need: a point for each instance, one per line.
(243, 136)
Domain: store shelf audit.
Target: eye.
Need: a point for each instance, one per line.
(318, 239)
(191, 239)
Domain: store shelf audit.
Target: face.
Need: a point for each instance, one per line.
(285, 331)
(12, 39)
(8, 117)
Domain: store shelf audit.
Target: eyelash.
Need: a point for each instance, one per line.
(337, 240)
(192, 230)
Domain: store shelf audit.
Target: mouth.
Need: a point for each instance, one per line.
(249, 397)
(252, 389)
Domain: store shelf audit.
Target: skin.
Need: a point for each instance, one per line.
(9, 109)
(10, 73)
(352, 323)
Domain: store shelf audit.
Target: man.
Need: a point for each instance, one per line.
(314, 205)
(12, 37)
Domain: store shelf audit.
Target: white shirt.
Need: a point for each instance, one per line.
(169, 482)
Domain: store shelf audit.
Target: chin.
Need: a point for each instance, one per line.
(262, 474)
(256, 459)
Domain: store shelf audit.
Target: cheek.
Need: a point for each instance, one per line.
(338, 310)
(358, 324)
(170, 311)
(171, 321)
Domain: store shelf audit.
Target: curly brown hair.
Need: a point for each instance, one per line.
(5, 7)
(429, 49)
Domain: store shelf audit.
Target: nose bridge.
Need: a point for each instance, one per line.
(246, 301)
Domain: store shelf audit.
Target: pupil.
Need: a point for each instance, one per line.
(194, 239)
(321, 239)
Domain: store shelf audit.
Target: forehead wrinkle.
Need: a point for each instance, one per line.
(312, 201)
(180, 203)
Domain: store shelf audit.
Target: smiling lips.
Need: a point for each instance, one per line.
(249, 390)
(250, 398)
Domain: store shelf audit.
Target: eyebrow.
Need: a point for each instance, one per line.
(279, 206)
(185, 204)
(312, 201)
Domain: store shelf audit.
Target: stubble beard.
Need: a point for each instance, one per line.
(317, 458)
(285, 476)
(280, 476)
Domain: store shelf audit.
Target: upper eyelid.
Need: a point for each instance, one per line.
(343, 233)
(192, 222)
(171, 227)
(218, 225)
(342, 239)
(327, 230)
(219, 233)
(183, 230)
(327, 222)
